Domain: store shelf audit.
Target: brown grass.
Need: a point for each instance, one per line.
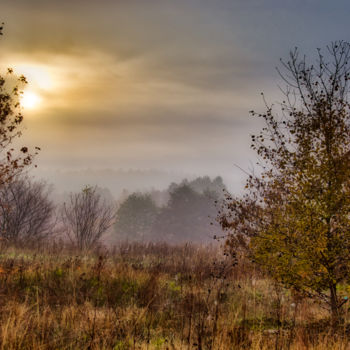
(151, 297)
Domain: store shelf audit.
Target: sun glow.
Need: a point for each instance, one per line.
(36, 75)
(40, 82)
(30, 100)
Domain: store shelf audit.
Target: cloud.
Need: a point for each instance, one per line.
(160, 82)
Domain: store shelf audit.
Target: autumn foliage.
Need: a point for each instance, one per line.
(293, 220)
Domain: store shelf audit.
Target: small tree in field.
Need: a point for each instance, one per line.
(294, 219)
(86, 217)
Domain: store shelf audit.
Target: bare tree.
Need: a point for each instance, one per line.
(86, 217)
(26, 212)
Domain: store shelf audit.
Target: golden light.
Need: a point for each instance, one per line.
(37, 76)
(40, 83)
(30, 100)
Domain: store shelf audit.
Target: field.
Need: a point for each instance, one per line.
(151, 297)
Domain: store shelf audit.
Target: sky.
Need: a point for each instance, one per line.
(154, 85)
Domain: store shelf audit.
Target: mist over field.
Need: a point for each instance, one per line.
(194, 222)
(115, 180)
(174, 174)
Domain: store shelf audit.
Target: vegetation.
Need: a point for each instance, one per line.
(27, 215)
(12, 161)
(135, 218)
(187, 216)
(86, 217)
(184, 212)
(294, 219)
(152, 297)
(290, 231)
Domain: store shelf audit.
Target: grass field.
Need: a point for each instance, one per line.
(151, 297)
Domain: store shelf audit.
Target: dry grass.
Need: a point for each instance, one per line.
(151, 297)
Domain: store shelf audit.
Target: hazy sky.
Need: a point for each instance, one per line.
(155, 84)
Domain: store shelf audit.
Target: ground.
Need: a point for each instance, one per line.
(151, 297)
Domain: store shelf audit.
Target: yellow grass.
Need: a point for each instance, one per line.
(152, 297)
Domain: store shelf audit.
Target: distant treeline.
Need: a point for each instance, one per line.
(186, 211)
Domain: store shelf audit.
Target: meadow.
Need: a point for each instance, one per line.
(151, 296)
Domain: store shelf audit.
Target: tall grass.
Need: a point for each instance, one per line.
(152, 296)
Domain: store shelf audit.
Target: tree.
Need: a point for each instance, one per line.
(202, 185)
(206, 185)
(135, 217)
(26, 212)
(86, 217)
(294, 218)
(187, 216)
(12, 161)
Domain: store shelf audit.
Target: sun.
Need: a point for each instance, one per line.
(30, 100)
(40, 83)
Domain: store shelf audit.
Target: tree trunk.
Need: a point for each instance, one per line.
(334, 304)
